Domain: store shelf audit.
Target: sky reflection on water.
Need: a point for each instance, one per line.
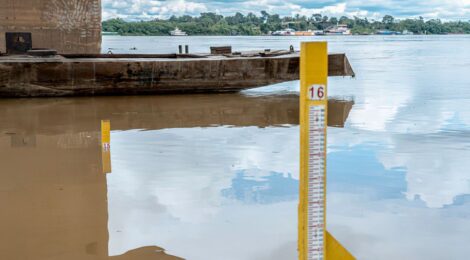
(194, 177)
(398, 178)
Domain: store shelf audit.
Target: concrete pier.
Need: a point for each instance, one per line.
(25, 76)
(68, 26)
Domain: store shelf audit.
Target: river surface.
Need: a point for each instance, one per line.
(211, 177)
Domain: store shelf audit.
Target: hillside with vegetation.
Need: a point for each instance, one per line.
(263, 24)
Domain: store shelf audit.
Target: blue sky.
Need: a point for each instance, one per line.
(373, 9)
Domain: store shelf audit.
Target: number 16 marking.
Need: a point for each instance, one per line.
(316, 92)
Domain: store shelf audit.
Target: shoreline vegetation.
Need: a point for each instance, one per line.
(266, 24)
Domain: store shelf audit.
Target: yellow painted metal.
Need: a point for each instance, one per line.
(335, 251)
(106, 146)
(314, 75)
(105, 132)
(313, 71)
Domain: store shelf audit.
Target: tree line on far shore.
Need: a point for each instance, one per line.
(251, 24)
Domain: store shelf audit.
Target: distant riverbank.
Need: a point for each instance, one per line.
(202, 44)
(253, 25)
(286, 36)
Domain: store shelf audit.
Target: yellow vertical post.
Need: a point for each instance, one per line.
(313, 117)
(315, 243)
(106, 145)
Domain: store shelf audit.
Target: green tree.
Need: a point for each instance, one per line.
(239, 24)
(388, 19)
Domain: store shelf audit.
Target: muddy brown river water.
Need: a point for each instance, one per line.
(216, 176)
(54, 193)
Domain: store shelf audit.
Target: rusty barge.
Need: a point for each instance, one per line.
(109, 74)
(32, 32)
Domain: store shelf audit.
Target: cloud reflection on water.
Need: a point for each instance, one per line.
(398, 175)
(172, 181)
(269, 189)
(370, 196)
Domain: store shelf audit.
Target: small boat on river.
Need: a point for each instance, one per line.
(340, 29)
(178, 32)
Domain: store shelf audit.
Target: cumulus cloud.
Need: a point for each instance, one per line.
(150, 9)
(374, 9)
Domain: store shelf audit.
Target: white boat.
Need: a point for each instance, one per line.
(178, 32)
(286, 32)
(340, 29)
(406, 32)
(109, 33)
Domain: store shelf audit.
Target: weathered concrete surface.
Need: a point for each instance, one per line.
(46, 77)
(69, 26)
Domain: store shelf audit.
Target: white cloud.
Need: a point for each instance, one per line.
(332, 10)
(149, 9)
(374, 9)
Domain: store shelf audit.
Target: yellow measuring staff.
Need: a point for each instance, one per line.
(106, 145)
(315, 243)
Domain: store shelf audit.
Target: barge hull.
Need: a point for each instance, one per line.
(59, 76)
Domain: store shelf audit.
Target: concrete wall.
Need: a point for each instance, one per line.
(69, 26)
